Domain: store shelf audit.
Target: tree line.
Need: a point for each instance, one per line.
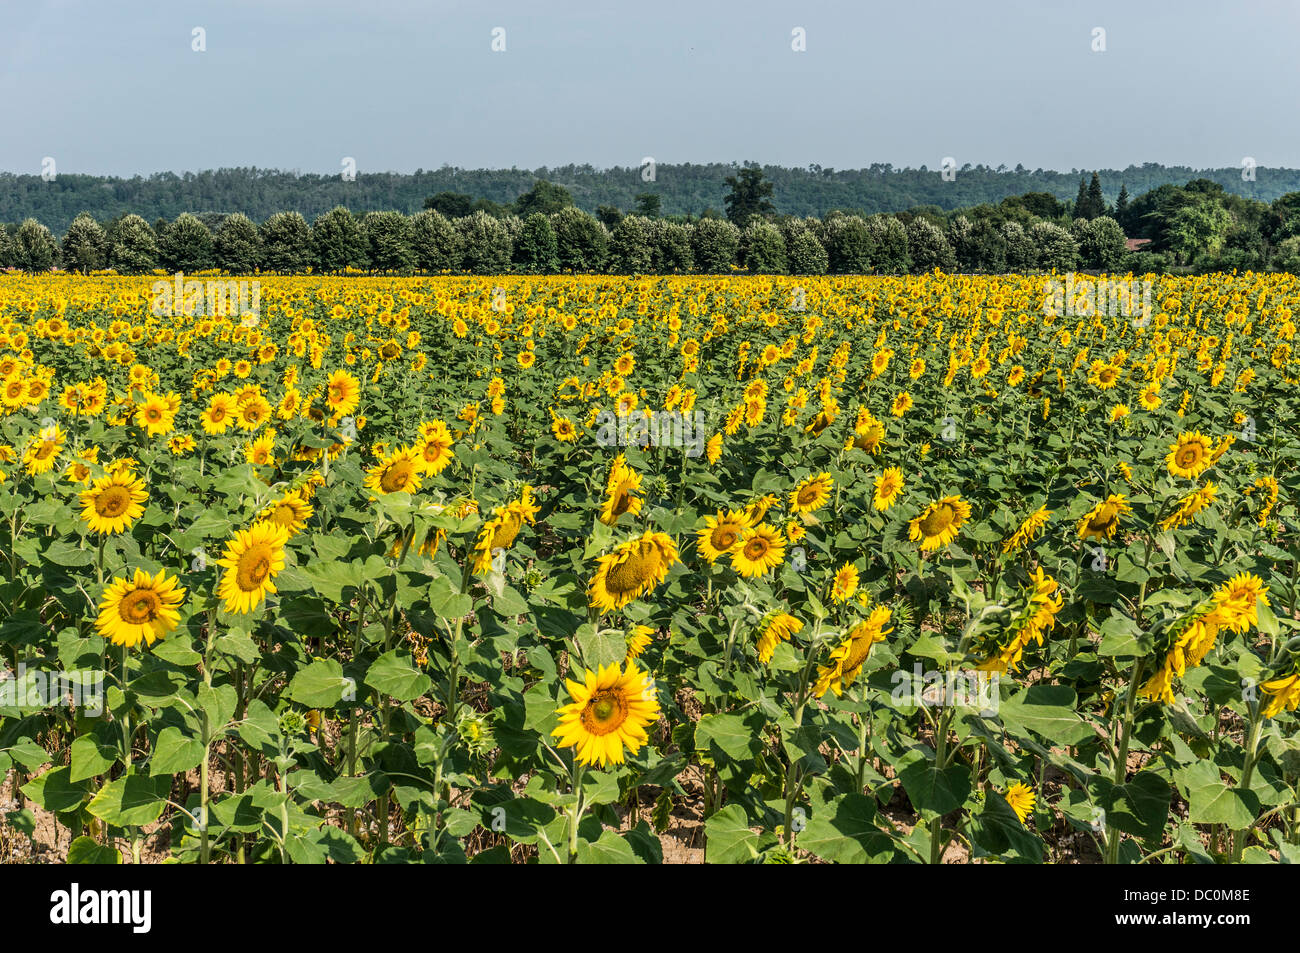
(1197, 226)
(683, 189)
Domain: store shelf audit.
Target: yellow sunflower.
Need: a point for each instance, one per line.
(811, 494)
(252, 559)
(1102, 520)
(760, 549)
(845, 584)
(620, 492)
(631, 570)
(342, 393)
(720, 534)
(1190, 456)
(610, 710)
(848, 658)
(939, 523)
(142, 608)
(777, 627)
(889, 486)
(112, 504)
(291, 511)
(1021, 798)
(399, 472)
(434, 447)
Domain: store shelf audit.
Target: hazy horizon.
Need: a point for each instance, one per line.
(399, 86)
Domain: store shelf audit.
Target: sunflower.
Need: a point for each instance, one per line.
(498, 533)
(112, 504)
(1238, 600)
(1284, 694)
(1021, 798)
(155, 415)
(251, 561)
(253, 412)
(621, 488)
(637, 640)
(434, 447)
(889, 486)
(760, 549)
(261, 452)
(811, 494)
(342, 393)
(563, 429)
(1190, 456)
(902, 404)
(631, 570)
(1189, 506)
(291, 511)
(610, 711)
(848, 658)
(777, 627)
(399, 472)
(845, 584)
(1030, 528)
(44, 449)
(1102, 520)
(938, 524)
(713, 449)
(143, 608)
(720, 534)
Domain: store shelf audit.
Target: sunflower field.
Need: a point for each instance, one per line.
(639, 570)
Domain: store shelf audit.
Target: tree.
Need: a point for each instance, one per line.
(671, 247)
(715, 244)
(750, 195)
(647, 205)
(435, 242)
(889, 237)
(928, 247)
(609, 216)
(849, 245)
(451, 204)
(1101, 244)
(85, 246)
(34, 247)
(286, 243)
(537, 250)
(388, 241)
(132, 246)
(582, 241)
(1198, 229)
(806, 254)
(762, 248)
(1081, 201)
(6, 249)
(485, 243)
(544, 197)
(337, 242)
(1121, 204)
(1022, 255)
(237, 246)
(185, 245)
(631, 250)
(1056, 247)
(1096, 205)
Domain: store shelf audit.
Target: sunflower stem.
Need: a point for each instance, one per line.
(1121, 755)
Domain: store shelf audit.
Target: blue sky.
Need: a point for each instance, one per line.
(115, 87)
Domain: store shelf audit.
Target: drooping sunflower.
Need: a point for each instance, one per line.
(498, 533)
(1190, 456)
(621, 488)
(399, 472)
(811, 494)
(1021, 798)
(939, 523)
(1283, 694)
(251, 560)
(1029, 529)
(889, 486)
(720, 534)
(761, 548)
(112, 504)
(776, 628)
(144, 608)
(1102, 521)
(610, 710)
(638, 640)
(846, 661)
(845, 583)
(631, 570)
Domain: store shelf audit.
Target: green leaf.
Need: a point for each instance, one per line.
(844, 832)
(174, 753)
(394, 674)
(55, 791)
(729, 839)
(930, 789)
(319, 685)
(1210, 799)
(133, 801)
(92, 755)
(86, 850)
(1048, 711)
(609, 848)
(601, 646)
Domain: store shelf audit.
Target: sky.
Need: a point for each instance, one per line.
(117, 87)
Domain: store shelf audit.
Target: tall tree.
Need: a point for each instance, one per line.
(85, 246)
(544, 197)
(750, 194)
(1081, 201)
